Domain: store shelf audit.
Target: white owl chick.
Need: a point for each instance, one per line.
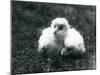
(70, 37)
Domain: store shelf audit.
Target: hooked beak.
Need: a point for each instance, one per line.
(55, 32)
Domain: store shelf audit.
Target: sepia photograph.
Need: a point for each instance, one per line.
(52, 37)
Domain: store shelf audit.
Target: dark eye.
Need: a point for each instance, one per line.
(54, 26)
(61, 27)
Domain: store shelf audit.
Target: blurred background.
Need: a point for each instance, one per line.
(30, 18)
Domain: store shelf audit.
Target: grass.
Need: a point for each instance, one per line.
(29, 18)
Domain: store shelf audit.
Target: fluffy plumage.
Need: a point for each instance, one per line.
(59, 37)
(47, 43)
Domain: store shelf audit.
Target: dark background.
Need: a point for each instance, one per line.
(28, 20)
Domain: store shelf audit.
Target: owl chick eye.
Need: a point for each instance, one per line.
(54, 26)
(60, 27)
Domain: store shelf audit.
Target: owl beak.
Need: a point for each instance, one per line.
(55, 32)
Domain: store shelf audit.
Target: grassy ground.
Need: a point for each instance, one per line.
(29, 18)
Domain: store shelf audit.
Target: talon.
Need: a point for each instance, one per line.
(63, 51)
